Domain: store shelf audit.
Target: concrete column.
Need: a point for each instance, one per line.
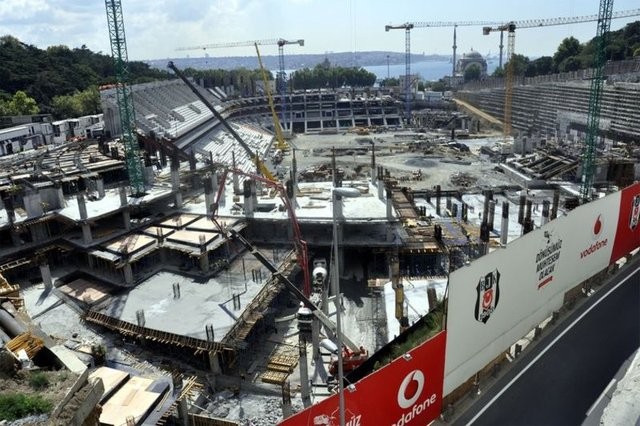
(126, 219)
(545, 212)
(183, 412)
(492, 212)
(128, 274)
(235, 179)
(82, 206)
(381, 189)
(248, 199)
(304, 374)
(556, 201)
(389, 206)
(504, 231)
(204, 262)
(373, 164)
(33, 203)
(438, 195)
(208, 195)
(87, 237)
(149, 176)
(100, 187)
(123, 196)
(46, 276)
(448, 203)
(60, 195)
(338, 207)
(15, 237)
(523, 200)
(214, 363)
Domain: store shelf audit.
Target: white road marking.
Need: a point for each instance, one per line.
(602, 395)
(542, 352)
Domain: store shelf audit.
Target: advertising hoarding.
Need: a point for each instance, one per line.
(406, 392)
(502, 296)
(628, 233)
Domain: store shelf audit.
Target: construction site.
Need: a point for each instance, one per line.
(216, 260)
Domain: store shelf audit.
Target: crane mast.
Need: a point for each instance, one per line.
(124, 96)
(276, 123)
(407, 27)
(595, 96)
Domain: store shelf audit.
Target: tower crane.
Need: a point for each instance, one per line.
(281, 144)
(527, 23)
(407, 27)
(508, 79)
(281, 78)
(595, 95)
(124, 96)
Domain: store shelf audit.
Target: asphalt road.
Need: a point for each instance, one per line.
(557, 381)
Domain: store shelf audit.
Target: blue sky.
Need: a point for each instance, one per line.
(155, 28)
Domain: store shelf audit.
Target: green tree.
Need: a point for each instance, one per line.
(569, 47)
(540, 66)
(472, 73)
(390, 82)
(498, 72)
(19, 104)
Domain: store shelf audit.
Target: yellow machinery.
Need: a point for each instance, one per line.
(280, 142)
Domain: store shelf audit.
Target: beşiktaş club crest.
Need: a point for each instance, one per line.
(635, 212)
(488, 295)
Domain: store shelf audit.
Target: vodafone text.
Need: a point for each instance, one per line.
(418, 408)
(593, 248)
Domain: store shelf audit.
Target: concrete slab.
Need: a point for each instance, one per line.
(199, 304)
(85, 291)
(111, 378)
(134, 399)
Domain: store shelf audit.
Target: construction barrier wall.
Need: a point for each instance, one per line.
(406, 391)
(501, 297)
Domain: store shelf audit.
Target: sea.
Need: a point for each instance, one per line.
(427, 70)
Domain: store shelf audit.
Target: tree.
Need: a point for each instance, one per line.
(390, 82)
(540, 66)
(472, 73)
(569, 47)
(19, 104)
(498, 72)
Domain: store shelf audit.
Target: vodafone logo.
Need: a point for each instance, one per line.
(414, 391)
(597, 227)
(599, 243)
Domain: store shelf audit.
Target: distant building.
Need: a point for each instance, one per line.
(469, 59)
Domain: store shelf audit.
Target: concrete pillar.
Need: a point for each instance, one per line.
(100, 187)
(60, 195)
(123, 196)
(380, 189)
(556, 201)
(82, 206)
(504, 231)
(448, 203)
(15, 237)
(304, 374)
(208, 195)
(46, 276)
(149, 176)
(33, 203)
(204, 262)
(235, 178)
(373, 164)
(389, 206)
(214, 363)
(545, 212)
(249, 208)
(438, 194)
(128, 274)
(523, 200)
(183, 412)
(492, 213)
(87, 238)
(126, 219)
